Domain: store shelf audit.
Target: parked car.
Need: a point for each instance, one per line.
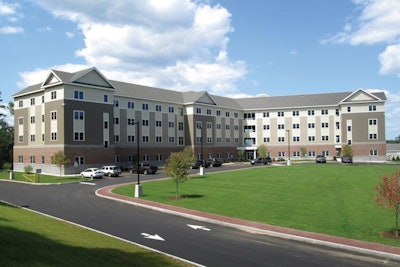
(320, 159)
(200, 163)
(347, 160)
(144, 168)
(111, 170)
(92, 173)
(214, 162)
(264, 161)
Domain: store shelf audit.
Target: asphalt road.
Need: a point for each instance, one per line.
(211, 245)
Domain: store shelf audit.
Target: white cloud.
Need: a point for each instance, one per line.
(7, 9)
(70, 34)
(378, 22)
(11, 30)
(44, 29)
(177, 44)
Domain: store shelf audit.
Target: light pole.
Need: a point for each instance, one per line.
(201, 150)
(288, 162)
(138, 186)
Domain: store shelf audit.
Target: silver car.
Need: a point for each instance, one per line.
(92, 173)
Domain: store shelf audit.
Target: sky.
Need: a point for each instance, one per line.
(233, 48)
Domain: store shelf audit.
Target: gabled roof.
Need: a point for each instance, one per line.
(362, 96)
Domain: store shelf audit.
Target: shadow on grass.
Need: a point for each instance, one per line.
(22, 248)
(192, 196)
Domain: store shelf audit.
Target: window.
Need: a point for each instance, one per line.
(349, 128)
(54, 136)
(116, 103)
(311, 153)
(296, 138)
(199, 124)
(337, 112)
(324, 125)
(311, 138)
(145, 106)
(249, 116)
(54, 95)
(171, 109)
(145, 122)
(337, 125)
(372, 121)
(79, 136)
(311, 112)
(227, 114)
(209, 125)
(266, 126)
(227, 127)
(20, 139)
(158, 123)
(116, 138)
(373, 136)
(296, 113)
(21, 104)
(281, 139)
(53, 115)
(131, 138)
(281, 153)
(131, 105)
(180, 141)
(236, 115)
(158, 139)
(180, 126)
(116, 120)
(311, 125)
(171, 139)
(105, 144)
(78, 94)
(219, 126)
(209, 140)
(158, 108)
(32, 119)
(32, 159)
(218, 113)
(348, 109)
(131, 121)
(78, 115)
(296, 125)
(33, 138)
(145, 138)
(281, 114)
(20, 120)
(32, 101)
(159, 157)
(349, 142)
(324, 112)
(372, 108)
(266, 139)
(373, 152)
(105, 98)
(198, 110)
(208, 111)
(106, 125)
(266, 114)
(337, 138)
(281, 126)
(171, 124)
(325, 138)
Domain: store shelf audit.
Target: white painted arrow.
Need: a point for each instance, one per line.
(155, 237)
(198, 227)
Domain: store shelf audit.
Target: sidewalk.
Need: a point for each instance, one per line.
(373, 249)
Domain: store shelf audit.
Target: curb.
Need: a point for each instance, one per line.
(253, 227)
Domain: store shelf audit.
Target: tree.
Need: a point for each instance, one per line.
(60, 159)
(6, 135)
(388, 195)
(262, 151)
(303, 152)
(347, 151)
(178, 166)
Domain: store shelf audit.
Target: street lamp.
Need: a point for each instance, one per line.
(288, 162)
(201, 150)
(138, 186)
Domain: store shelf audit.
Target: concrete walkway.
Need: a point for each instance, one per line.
(373, 249)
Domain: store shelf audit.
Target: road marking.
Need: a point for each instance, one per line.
(155, 237)
(88, 183)
(198, 227)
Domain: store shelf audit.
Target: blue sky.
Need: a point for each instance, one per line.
(231, 48)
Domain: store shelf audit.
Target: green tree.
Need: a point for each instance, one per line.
(6, 134)
(388, 195)
(178, 166)
(262, 151)
(347, 151)
(60, 159)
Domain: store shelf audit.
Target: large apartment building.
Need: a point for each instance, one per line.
(96, 121)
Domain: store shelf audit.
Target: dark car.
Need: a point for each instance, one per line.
(320, 159)
(264, 161)
(214, 162)
(144, 168)
(200, 163)
(347, 160)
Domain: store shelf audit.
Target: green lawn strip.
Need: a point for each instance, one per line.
(41, 178)
(333, 199)
(30, 239)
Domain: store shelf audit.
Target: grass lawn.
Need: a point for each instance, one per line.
(41, 178)
(334, 199)
(30, 239)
